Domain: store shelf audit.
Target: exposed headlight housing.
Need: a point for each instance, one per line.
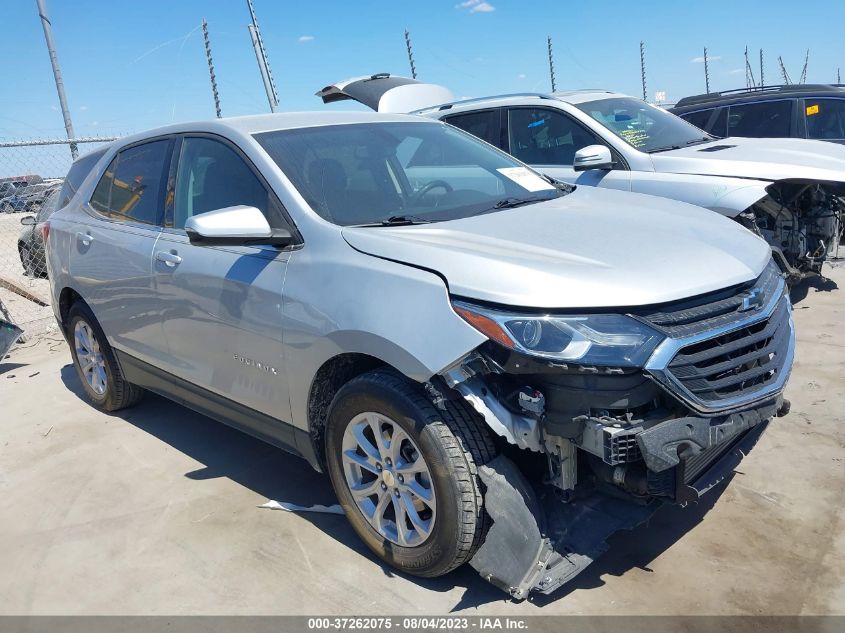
(614, 340)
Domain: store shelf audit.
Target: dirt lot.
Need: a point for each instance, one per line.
(154, 511)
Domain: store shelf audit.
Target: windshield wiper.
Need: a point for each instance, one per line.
(565, 187)
(510, 203)
(397, 220)
(697, 141)
(665, 148)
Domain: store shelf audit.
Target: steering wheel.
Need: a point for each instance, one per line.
(434, 184)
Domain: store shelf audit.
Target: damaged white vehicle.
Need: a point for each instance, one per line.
(790, 191)
(493, 367)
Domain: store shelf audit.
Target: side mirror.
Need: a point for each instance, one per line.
(593, 157)
(28, 220)
(235, 226)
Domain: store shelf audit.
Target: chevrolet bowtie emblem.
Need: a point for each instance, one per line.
(753, 301)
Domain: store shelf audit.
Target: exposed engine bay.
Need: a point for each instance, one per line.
(803, 221)
(587, 450)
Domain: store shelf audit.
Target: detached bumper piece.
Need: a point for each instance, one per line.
(539, 545)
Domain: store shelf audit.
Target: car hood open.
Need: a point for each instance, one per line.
(760, 158)
(592, 248)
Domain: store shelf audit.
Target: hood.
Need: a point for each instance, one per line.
(593, 248)
(761, 158)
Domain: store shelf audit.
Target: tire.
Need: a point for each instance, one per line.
(83, 332)
(451, 443)
(26, 261)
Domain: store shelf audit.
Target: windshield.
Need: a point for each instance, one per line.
(392, 173)
(643, 126)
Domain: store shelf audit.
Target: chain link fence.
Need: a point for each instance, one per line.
(31, 175)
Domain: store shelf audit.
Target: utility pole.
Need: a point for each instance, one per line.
(551, 63)
(838, 80)
(783, 72)
(261, 56)
(706, 72)
(642, 69)
(57, 74)
(762, 81)
(410, 54)
(749, 74)
(211, 68)
(803, 78)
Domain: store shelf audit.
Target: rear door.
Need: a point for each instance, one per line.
(221, 305)
(112, 245)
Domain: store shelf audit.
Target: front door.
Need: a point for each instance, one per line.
(221, 305)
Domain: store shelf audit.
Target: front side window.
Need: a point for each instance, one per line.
(541, 136)
(485, 125)
(211, 175)
(825, 118)
(130, 188)
(643, 126)
(766, 119)
(712, 121)
(370, 173)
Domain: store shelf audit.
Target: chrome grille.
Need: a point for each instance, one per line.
(727, 349)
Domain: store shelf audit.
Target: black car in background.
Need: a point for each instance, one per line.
(791, 111)
(30, 242)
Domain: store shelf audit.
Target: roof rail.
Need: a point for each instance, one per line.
(447, 106)
(715, 96)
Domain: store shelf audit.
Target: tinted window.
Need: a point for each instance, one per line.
(825, 118)
(130, 188)
(365, 173)
(766, 119)
(484, 125)
(540, 136)
(699, 119)
(211, 175)
(78, 171)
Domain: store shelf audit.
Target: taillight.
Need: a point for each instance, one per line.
(45, 230)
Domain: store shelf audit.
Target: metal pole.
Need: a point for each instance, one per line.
(762, 81)
(261, 55)
(642, 69)
(267, 86)
(211, 68)
(706, 72)
(57, 73)
(410, 54)
(551, 63)
(803, 78)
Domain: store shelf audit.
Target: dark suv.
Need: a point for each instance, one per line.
(798, 111)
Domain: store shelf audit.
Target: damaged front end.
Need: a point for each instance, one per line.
(803, 222)
(693, 386)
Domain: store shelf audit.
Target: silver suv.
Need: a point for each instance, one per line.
(789, 191)
(493, 367)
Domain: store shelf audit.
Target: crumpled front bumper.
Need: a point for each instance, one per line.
(537, 543)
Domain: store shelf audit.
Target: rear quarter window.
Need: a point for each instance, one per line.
(75, 176)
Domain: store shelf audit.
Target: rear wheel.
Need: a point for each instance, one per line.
(96, 364)
(405, 472)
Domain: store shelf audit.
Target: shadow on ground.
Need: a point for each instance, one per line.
(273, 474)
(799, 291)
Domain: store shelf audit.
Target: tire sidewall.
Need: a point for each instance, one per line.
(436, 554)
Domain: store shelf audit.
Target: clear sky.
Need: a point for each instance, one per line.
(129, 66)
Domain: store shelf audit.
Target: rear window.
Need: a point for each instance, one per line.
(131, 186)
(78, 172)
(766, 119)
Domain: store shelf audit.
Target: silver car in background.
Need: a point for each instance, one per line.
(493, 367)
(789, 191)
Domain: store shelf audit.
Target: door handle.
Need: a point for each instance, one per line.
(170, 259)
(84, 238)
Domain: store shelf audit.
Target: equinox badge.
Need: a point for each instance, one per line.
(254, 363)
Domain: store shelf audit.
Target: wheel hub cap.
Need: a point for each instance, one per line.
(389, 479)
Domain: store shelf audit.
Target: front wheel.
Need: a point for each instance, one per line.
(405, 472)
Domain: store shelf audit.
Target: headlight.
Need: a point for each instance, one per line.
(589, 339)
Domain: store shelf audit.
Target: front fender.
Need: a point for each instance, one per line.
(727, 196)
